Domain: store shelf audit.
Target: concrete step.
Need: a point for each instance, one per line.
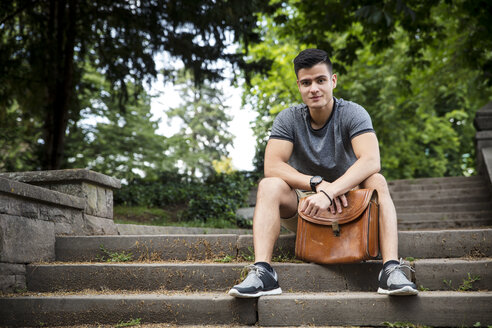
(136, 229)
(293, 277)
(449, 215)
(454, 274)
(203, 308)
(478, 194)
(413, 221)
(449, 199)
(436, 309)
(440, 208)
(440, 180)
(419, 244)
(426, 186)
(154, 247)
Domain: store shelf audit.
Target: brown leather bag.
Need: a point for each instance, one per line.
(348, 237)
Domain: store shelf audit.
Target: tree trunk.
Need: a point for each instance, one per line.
(59, 79)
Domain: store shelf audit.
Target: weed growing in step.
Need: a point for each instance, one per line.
(132, 322)
(20, 290)
(448, 283)
(465, 286)
(423, 289)
(285, 256)
(478, 324)
(113, 256)
(250, 256)
(403, 325)
(225, 259)
(468, 283)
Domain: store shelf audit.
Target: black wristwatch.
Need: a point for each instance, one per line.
(316, 180)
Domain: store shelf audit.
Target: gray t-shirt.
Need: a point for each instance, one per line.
(327, 151)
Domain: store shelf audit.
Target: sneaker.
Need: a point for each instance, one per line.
(393, 281)
(259, 282)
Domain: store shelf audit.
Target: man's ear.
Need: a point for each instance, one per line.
(334, 80)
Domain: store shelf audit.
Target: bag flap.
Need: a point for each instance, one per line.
(357, 200)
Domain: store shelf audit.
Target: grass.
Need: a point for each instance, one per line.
(465, 286)
(114, 256)
(143, 215)
(403, 325)
(132, 322)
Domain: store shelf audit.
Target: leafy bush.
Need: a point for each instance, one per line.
(216, 198)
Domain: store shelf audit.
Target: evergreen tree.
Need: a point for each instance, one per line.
(204, 135)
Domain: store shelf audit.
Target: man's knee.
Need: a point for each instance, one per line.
(376, 181)
(272, 186)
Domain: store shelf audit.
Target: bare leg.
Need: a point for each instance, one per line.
(388, 229)
(275, 199)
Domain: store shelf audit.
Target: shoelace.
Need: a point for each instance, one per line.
(399, 266)
(253, 268)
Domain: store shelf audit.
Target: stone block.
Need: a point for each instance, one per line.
(483, 118)
(94, 188)
(7, 269)
(54, 177)
(23, 191)
(55, 214)
(24, 240)
(7, 283)
(100, 226)
(12, 277)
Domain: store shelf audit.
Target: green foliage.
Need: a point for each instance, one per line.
(45, 47)
(225, 259)
(248, 256)
(141, 215)
(114, 256)
(448, 283)
(121, 144)
(399, 324)
(203, 137)
(468, 283)
(216, 198)
(422, 95)
(132, 322)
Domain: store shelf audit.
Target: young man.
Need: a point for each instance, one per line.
(327, 146)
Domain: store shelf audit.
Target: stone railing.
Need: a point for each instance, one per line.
(37, 206)
(483, 141)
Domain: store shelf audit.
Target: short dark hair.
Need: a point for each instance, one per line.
(311, 57)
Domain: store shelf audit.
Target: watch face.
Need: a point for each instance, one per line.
(316, 179)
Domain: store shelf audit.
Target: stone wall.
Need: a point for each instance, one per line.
(37, 206)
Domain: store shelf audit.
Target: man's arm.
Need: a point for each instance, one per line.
(366, 150)
(277, 154)
(368, 162)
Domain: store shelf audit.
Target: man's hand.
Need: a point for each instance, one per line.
(319, 202)
(313, 205)
(338, 202)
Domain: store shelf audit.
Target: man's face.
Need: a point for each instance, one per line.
(316, 86)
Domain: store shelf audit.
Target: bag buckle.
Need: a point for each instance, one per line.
(336, 229)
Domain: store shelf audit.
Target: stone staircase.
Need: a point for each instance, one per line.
(445, 235)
